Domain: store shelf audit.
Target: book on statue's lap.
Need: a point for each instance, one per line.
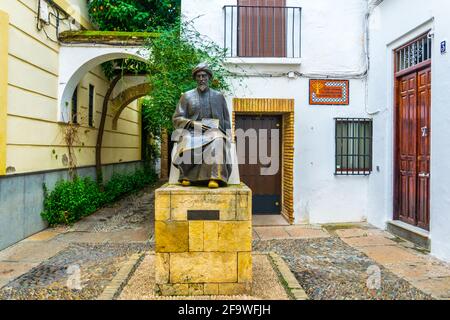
(211, 123)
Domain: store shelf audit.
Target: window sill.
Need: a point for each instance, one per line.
(264, 61)
(353, 173)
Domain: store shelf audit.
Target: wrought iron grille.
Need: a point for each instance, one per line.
(262, 31)
(353, 146)
(91, 105)
(414, 53)
(75, 106)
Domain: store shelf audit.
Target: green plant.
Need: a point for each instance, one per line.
(121, 184)
(174, 54)
(72, 200)
(133, 15)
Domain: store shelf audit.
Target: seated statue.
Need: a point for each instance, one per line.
(202, 132)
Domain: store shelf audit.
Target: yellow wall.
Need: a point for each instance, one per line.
(77, 9)
(4, 44)
(35, 140)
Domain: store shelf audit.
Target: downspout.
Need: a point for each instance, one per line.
(372, 4)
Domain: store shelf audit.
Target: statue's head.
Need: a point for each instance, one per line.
(202, 74)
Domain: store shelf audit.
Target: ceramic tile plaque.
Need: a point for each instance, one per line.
(329, 92)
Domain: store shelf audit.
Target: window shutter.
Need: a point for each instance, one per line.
(262, 28)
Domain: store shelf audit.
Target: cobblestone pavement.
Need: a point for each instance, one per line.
(344, 261)
(331, 262)
(328, 268)
(79, 261)
(81, 272)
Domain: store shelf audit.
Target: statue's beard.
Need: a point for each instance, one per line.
(202, 87)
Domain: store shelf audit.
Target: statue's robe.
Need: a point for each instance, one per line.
(213, 147)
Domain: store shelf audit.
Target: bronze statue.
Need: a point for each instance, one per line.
(202, 126)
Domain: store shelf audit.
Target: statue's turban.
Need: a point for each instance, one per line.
(202, 67)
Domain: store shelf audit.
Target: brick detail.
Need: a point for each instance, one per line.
(164, 155)
(285, 107)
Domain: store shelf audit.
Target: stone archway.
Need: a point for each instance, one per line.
(125, 97)
(80, 53)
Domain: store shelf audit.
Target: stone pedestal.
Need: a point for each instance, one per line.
(203, 240)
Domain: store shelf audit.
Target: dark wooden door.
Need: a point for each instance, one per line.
(262, 28)
(413, 147)
(266, 188)
(424, 148)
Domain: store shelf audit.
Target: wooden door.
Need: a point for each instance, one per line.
(423, 148)
(262, 28)
(266, 188)
(413, 147)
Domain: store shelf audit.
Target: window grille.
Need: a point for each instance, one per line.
(91, 105)
(75, 106)
(414, 53)
(353, 146)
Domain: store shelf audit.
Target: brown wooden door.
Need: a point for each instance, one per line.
(262, 28)
(424, 148)
(266, 188)
(413, 147)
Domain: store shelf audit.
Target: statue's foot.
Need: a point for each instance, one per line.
(185, 183)
(213, 184)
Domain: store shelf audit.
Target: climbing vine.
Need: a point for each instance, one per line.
(174, 54)
(71, 138)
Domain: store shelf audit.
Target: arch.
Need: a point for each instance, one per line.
(125, 98)
(76, 61)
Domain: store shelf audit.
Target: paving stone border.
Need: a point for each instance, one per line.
(113, 290)
(294, 288)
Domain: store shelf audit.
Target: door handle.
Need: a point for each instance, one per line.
(425, 131)
(424, 175)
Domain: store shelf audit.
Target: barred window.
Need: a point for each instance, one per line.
(91, 105)
(353, 146)
(75, 106)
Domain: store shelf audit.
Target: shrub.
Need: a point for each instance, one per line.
(72, 200)
(121, 185)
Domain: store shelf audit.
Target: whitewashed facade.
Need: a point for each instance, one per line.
(348, 40)
(393, 23)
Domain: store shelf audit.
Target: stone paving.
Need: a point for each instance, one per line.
(334, 250)
(266, 284)
(330, 261)
(43, 265)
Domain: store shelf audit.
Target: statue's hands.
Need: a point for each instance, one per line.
(198, 124)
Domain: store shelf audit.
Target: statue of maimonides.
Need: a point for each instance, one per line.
(202, 130)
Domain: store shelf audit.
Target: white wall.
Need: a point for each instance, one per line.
(391, 27)
(332, 44)
(332, 31)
